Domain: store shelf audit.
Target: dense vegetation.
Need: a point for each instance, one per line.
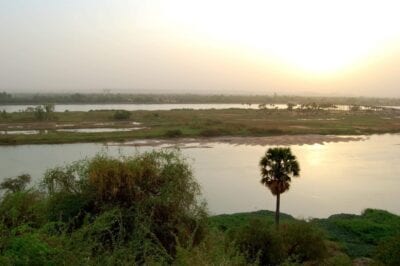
(6, 98)
(145, 209)
(195, 123)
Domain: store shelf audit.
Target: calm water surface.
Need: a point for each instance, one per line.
(133, 107)
(335, 177)
(157, 107)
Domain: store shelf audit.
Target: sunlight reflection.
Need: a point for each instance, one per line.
(314, 154)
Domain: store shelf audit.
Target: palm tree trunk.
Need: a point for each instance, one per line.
(278, 202)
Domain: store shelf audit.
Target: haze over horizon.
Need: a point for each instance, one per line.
(257, 47)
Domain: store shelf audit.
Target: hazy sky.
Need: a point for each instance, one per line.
(323, 47)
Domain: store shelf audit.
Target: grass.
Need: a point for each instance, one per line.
(360, 234)
(199, 123)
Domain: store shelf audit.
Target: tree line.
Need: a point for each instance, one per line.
(103, 98)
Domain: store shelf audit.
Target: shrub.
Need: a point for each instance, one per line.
(215, 249)
(259, 242)
(29, 249)
(16, 184)
(295, 242)
(303, 242)
(388, 251)
(148, 198)
(24, 207)
(68, 208)
(121, 115)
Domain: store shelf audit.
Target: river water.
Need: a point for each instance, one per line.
(343, 177)
(134, 107)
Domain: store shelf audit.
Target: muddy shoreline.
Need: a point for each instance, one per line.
(284, 140)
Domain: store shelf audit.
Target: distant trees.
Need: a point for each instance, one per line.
(262, 106)
(5, 97)
(290, 106)
(278, 166)
(355, 108)
(4, 114)
(42, 112)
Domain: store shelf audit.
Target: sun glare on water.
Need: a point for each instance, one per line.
(316, 37)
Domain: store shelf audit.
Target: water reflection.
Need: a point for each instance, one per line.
(314, 154)
(335, 177)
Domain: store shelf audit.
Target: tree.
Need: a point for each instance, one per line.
(278, 166)
(49, 108)
(16, 184)
(290, 106)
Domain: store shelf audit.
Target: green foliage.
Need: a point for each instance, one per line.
(42, 112)
(388, 251)
(360, 234)
(16, 184)
(225, 222)
(303, 242)
(259, 243)
(295, 242)
(22, 208)
(215, 249)
(122, 115)
(29, 249)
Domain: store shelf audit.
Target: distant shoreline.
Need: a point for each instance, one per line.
(283, 140)
(236, 126)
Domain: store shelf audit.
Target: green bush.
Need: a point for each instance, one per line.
(16, 184)
(29, 249)
(19, 208)
(388, 251)
(295, 242)
(148, 198)
(259, 242)
(303, 242)
(215, 249)
(121, 115)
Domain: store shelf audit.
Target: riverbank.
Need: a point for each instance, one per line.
(67, 127)
(284, 140)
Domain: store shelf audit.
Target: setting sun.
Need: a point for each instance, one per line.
(318, 37)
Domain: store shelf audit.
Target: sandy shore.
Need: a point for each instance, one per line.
(285, 140)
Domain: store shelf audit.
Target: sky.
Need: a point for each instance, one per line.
(317, 47)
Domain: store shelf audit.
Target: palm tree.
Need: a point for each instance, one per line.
(278, 166)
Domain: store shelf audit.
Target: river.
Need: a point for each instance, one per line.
(134, 107)
(343, 177)
(150, 107)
